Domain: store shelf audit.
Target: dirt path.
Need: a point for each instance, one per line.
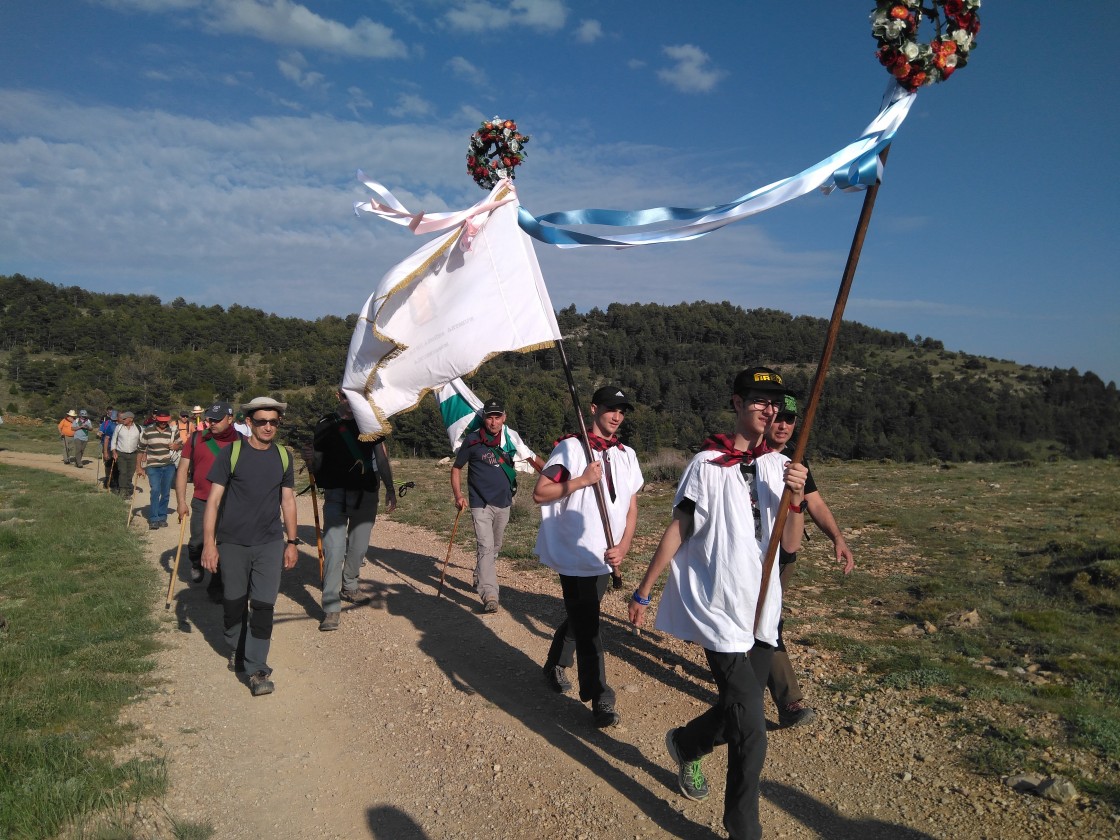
(421, 718)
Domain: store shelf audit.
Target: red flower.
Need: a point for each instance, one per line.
(901, 69)
(916, 80)
(900, 12)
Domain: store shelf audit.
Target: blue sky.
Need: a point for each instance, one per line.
(208, 150)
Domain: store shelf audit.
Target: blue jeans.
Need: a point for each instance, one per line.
(161, 479)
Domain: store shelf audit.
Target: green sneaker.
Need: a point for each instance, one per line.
(690, 778)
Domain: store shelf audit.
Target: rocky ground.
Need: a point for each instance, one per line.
(422, 718)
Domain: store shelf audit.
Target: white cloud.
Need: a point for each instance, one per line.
(294, 68)
(485, 16)
(635, 64)
(589, 31)
(691, 72)
(281, 22)
(466, 71)
(411, 106)
(357, 101)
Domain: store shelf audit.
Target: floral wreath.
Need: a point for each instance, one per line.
(495, 150)
(894, 24)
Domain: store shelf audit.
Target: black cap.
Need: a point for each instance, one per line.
(610, 396)
(219, 411)
(761, 379)
(492, 406)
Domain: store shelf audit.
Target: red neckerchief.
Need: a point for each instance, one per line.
(230, 434)
(598, 444)
(730, 456)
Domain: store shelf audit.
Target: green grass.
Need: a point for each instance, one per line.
(76, 595)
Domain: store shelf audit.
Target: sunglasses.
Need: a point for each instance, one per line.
(272, 421)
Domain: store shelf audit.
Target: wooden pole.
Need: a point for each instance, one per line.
(450, 543)
(806, 424)
(600, 497)
(175, 565)
(318, 527)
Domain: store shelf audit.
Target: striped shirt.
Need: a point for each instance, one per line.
(155, 443)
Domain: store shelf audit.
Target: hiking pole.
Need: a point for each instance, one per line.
(318, 527)
(132, 503)
(818, 380)
(97, 471)
(443, 574)
(175, 565)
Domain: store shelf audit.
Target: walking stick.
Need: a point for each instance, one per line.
(443, 574)
(818, 381)
(175, 565)
(318, 528)
(600, 497)
(132, 502)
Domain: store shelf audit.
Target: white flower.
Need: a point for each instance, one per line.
(910, 50)
(950, 61)
(962, 39)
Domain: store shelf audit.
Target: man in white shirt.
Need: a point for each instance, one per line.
(723, 516)
(572, 541)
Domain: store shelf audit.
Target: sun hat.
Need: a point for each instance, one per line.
(263, 404)
(71, 413)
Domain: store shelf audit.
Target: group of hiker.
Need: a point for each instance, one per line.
(723, 519)
(242, 516)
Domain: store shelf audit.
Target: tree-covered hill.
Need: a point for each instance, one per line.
(888, 395)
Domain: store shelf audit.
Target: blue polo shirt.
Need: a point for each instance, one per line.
(487, 483)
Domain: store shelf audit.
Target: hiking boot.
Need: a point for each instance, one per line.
(690, 778)
(260, 684)
(197, 574)
(557, 678)
(490, 605)
(236, 663)
(605, 714)
(153, 526)
(353, 596)
(795, 714)
(163, 523)
(330, 622)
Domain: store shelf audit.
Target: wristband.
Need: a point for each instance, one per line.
(797, 508)
(638, 599)
(294, 542)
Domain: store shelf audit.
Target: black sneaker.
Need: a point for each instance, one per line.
(153, 526)
(557, 678)
(605, 714)
(196, 574)
(690, 778)
(795, 714)
(260, 684)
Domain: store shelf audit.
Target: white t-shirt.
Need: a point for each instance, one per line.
(571, 538)
(714, 579)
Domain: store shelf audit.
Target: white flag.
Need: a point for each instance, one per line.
(460, 406)
(457, 301)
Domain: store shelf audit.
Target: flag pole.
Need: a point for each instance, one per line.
(600, 498)
(806, 425)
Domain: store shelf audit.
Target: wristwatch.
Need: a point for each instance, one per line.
(294, 542)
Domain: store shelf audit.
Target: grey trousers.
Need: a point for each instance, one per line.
(250, 584)
(489, 530)
(348, 517)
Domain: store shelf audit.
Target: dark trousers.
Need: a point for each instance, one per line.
(737, 720)
(578, 636)
(194, 545)
(783, 682)
(251, 581)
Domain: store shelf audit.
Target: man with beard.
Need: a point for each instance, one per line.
(491, 483)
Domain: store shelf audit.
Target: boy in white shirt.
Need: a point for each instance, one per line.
(572, 541)
(723, 515)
